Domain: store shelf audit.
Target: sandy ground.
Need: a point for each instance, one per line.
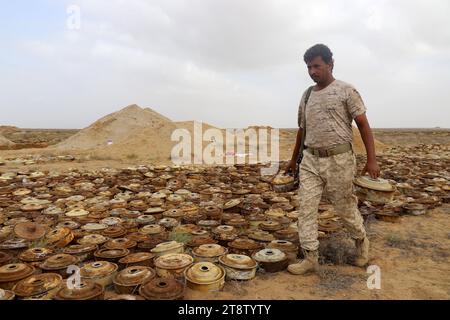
(148, 147)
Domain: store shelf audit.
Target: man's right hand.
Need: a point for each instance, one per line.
(291, 167)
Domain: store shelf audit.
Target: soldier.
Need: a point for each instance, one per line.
(329, 163)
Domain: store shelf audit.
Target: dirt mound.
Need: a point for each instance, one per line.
(358, 143)
(131, 133)
(115, 128)
(260, 127)
(288, 136)
(136, 133)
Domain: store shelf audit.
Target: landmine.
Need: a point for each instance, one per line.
(114, 224)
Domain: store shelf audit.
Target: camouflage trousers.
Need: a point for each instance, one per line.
(334, 175)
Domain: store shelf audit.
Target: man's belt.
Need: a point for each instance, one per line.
(330, 151)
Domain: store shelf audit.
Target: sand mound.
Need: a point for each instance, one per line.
(288, 136)
(255, 127)
(5, 130)
(151, 144)
(5, 143)
(115, 128)
(189, 125)
(134, 133)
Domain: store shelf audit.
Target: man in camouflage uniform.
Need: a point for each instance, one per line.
(329, 163)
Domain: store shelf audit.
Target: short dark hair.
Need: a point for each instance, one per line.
(319, 50)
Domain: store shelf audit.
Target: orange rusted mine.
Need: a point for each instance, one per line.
(7, 295)
(82, 251)
(238, 267)
(114, 232)
(271, 259)
(172, 265)
(144, 259)
(112, 255)
(120, 243)
(289, 248)
(138, 237)
(60, 237)
(59, 263)
(199, 240)
(86, 290)
(29, 230)
(126, 297)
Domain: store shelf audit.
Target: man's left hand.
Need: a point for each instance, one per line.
(372, 169)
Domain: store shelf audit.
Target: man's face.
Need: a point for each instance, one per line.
(318, 70)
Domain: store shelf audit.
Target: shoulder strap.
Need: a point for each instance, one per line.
(302, 145)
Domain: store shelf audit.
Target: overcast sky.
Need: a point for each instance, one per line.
(231, 63)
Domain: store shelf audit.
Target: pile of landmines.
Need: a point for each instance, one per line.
(421, 177)
(35, 159)
(148, 232)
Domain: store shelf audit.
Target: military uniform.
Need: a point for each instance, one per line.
(329, 114)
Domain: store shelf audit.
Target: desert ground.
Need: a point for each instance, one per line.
(412, 253)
